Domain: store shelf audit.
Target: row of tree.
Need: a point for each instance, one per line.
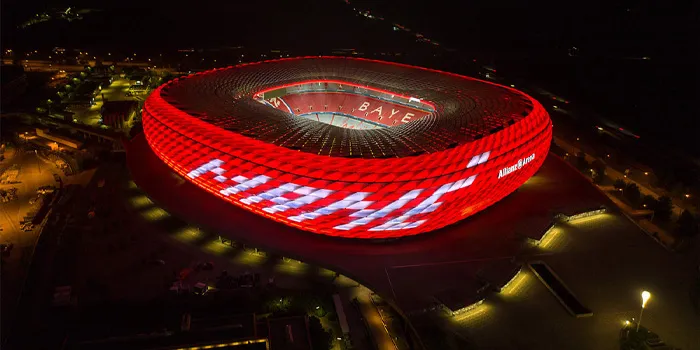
(675, 174)
(64, 93)
(687, 223)
(662, 207)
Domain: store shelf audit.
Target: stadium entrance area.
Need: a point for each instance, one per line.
(345, 105)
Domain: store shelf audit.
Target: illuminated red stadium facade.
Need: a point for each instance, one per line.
(348, 147)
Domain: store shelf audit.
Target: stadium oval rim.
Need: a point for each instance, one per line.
(481, 143)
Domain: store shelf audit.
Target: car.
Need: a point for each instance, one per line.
(45, 189)
(159, 262)
(205, 266)
(200, 288)
(6, 248)
(177, 287)
(247, 280)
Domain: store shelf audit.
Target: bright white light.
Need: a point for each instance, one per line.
(645, 297)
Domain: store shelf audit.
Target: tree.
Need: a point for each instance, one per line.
(320, 338)
(664, 208)
(44, 106)
(136, 129)
(278, 304)
(598, 172)
(687, 224)
(49, 103)
(581, 162)
(619, 184)
(632, 193)
(649, 202)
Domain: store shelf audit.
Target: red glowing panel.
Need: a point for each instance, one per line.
(345, 196)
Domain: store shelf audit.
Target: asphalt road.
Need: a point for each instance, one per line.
(47, 66)
(380, 334)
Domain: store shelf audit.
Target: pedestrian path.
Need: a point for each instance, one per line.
(658, 233)
(380, 334)
(616, 175)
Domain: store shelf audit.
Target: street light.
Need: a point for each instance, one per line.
(645, 297)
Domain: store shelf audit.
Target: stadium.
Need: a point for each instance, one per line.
(348, 147)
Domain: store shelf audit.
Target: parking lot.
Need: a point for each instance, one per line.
(118, 90)
(32, 173)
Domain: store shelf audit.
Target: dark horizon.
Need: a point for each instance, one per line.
(633, 30)
(529, 42)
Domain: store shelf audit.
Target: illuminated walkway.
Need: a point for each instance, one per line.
(606, 263)
(380, 334)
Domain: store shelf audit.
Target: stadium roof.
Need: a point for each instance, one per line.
(467, 109)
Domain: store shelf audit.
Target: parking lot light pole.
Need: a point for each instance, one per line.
(645, 297)
(38, 161)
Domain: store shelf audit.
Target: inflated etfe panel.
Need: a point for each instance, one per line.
(478, 143)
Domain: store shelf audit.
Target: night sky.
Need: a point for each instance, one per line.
(651, 28)
(531, 37)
